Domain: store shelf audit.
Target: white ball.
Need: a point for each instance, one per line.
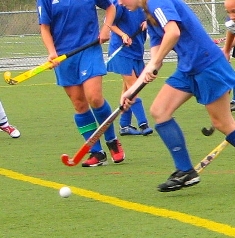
(65, 192)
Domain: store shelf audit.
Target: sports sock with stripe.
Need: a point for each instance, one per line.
(86, 126)
(173, 138)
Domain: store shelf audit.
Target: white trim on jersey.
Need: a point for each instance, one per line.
(160, 16)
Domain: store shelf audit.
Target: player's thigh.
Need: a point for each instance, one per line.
(93, 91)
(167, 101)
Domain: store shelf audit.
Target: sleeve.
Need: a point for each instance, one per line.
(44, 12)
(163, 11)
(119, 12)
(103, 4)
(230, 25)
(154, 37)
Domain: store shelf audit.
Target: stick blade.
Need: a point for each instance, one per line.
(66, 160)
(208, 132)
(8, 79)
(77, 157)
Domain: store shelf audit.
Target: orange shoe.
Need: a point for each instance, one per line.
(116, 151)
(95, 159)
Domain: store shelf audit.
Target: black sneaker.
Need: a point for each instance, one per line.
(96, 159)
(232, 106)
(178, 180)
(145, 129)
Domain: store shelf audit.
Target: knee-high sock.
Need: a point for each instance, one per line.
(231, 138)
(86, 125)
(138, 110)
(173, 138)
(125, 118)
(3, 116)
(101, 114)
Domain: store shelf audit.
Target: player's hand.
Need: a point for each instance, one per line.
(144, 25)
(104, 34)
(51, 58)
(126, 40)
(125, 102)
(150, 72)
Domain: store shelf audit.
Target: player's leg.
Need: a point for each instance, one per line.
(219, 76)
(101, 110)
(137, 107)
(86, 125)
(232, 102)
(222, 118)
(162, 109)
(5, 126)
(126, 128)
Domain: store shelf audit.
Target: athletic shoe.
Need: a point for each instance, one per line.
(11, 130)
(178, 180)
(116, 151)
(129, 130)
(145, 129)
(232, 106)
(95, 159)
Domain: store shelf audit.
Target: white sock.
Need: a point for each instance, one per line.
(3, 117)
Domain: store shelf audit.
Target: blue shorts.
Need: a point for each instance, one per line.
(82, 66)
(125, 66)
(207, 86)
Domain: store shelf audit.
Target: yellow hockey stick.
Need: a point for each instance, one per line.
(210, 157)
(47, 65)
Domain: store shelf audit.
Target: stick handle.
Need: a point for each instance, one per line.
(82, 48)
(121, 46)
(141, 86)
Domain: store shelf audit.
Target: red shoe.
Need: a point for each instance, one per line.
(95, 159)
(11, 130)
(116, 151)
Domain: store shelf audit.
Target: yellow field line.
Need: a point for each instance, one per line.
(182, 217)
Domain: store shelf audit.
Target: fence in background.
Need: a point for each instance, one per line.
(21, 46)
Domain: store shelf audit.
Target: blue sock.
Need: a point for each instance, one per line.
(173, 138)
(86, 125)
(231, 138)
(138, 110)
(125, 118)
(101, 115)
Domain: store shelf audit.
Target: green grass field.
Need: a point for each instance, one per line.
(118, 200)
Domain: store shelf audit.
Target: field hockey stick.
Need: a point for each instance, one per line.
(210, 157)
(121, 46)
(208, 132)
(47, 65)
(98, 133)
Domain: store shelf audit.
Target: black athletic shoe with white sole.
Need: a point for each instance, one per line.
(178, 180)
(232, 106)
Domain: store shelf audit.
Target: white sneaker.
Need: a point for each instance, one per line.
(11, 130)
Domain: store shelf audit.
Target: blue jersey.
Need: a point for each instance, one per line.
(73, 23)
(195, 49)
(129, 22)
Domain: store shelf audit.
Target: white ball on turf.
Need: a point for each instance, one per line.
(65, 192)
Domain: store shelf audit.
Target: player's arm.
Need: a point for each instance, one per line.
(170, 38)
(229, 43)
(158, 53)
(110, 13)
(125, 37)
(48, 42)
